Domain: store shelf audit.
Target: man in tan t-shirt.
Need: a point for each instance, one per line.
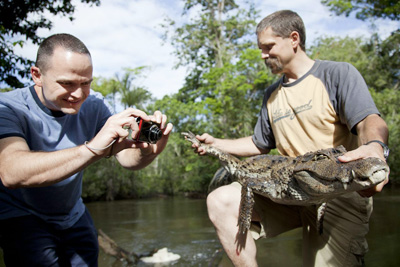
(315, 105)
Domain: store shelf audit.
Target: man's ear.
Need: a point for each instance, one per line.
(36, 76)
(295, 37)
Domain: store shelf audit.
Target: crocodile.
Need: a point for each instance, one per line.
(310, 179)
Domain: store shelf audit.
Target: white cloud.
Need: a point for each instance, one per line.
(123, 33)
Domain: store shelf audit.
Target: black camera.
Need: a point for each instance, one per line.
(149, 131)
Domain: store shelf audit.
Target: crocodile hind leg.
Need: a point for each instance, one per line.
(246, 209)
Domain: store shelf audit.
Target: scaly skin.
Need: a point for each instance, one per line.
(310, 179)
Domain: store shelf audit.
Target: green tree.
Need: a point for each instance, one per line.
(16, 29)
(234, 95)
(386, 58)
(132, 95)
(214, 37)
(210, 45)
(365, 9)
(107, 87)
(6, 89)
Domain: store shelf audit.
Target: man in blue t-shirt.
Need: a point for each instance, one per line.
(49, 133)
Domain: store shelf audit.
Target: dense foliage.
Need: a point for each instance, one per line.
(366, 9)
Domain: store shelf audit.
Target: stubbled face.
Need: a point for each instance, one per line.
(65, 85)
(275, 50)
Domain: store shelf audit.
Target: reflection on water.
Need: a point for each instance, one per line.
(179, 224)
(182, 225)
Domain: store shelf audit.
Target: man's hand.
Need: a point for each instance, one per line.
(366, 151)
(165, 128)
(206, 139)
(116, 126)
(131, 154)
(114, 132)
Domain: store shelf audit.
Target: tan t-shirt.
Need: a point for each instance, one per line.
(317, 111)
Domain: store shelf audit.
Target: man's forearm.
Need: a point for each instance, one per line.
(135, 158)
(373, 127)
(24, 168)
(242, 147)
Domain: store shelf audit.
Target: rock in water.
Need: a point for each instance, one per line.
(162, 255)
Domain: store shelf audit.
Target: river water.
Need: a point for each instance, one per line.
(182, 226)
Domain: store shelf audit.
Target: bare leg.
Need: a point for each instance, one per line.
(223, 210)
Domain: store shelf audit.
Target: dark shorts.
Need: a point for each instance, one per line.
(29, 241)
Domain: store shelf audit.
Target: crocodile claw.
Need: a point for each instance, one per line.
(243, 227)
(191, 137)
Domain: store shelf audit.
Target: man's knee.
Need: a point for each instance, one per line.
(223, 200)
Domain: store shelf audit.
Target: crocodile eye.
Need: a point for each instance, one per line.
(320, 157)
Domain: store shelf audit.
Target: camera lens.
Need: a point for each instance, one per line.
(149, 131)
(154, 134)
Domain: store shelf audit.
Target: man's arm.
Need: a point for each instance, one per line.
(20, 167)
(242, 147)
(373, 127)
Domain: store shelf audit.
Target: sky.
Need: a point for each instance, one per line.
(127, 34)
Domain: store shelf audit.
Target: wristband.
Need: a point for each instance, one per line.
(99, 149)
(386, 149)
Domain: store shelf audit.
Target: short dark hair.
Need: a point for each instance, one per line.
(64, 40)
(283, 23)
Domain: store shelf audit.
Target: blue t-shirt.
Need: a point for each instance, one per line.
(22, 114)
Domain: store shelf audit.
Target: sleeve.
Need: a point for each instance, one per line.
(102, 111)
(263, 136)
(352, 100)
(10, 122)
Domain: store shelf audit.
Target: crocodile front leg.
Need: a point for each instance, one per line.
(230, 162)
(246, 209)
